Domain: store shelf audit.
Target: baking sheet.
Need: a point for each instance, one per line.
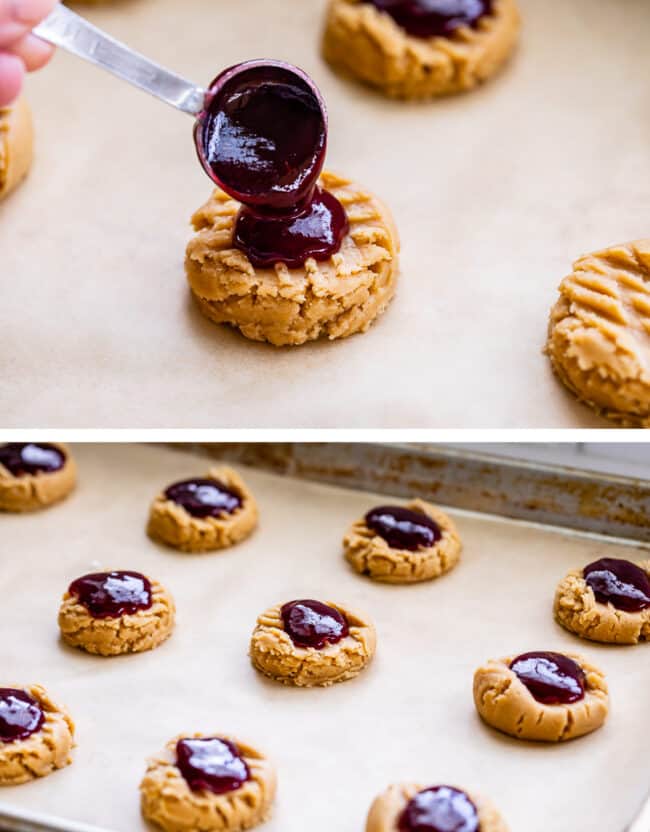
(409, 716)
(494, 193)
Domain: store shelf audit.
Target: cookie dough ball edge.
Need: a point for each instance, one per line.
(45, 751)
(370, 555)
(170, 524)
(36, 491)
(16, 145)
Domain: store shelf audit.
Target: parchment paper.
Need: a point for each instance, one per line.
(409, 716)
(495, 193)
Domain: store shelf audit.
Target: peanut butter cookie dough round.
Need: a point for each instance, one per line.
(369, 44)
(388, 560)
(95, 622)
(333, 298)
(599, 332)
(16, 145)
(204, 515)
(178, 804)
(36, 735)
(578, 610)
(35, 475)
(506, 703)
(309, 643)
(473, 811)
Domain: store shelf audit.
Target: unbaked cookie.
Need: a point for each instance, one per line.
(599, 332)
(545, 696)
(36, 735)
(607, 601)
(330, 298)
(110, 613)
(403, 544)
(204, 514)
(407, 53)
(208, 783)
(16, 145)
(410, 807)
(308, 643)
(34, 475)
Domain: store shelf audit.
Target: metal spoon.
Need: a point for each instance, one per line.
(68, 30)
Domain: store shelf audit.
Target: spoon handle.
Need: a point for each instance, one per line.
(69, 30)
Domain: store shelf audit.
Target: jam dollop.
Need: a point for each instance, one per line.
(24, 458)
(552, 678)
(313, 624)
(314, 232)
(262, 138)
(204, 497)
(112, 594)
(402, 528)
(211, 764)
(434, 18)
(439, 809)
(619, 582)
(20, 715)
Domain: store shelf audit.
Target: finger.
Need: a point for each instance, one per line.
(30, 12)
(12, 72)
(34, 52)
(11, 31)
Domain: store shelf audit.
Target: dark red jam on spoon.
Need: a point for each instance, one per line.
(23, 458)
(619, 582)
(313, 624)
(439, 809)
(402, 528)
(112, 594)
(552, 678)
(262, 139)
(434, 18)
(211, 764)
(204, 498)
(20, 715)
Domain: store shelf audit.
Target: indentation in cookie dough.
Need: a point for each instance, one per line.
(168, 801)
(44, 751)
(32, 492)
(599, 332)
(332, 298)
(576, 608)
(171, 524)
(387, 807)
(505, 703)
(274, 654)
(370, 555)
(371, 46)
(141, 631)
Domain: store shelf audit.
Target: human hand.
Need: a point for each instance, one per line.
(20, 50)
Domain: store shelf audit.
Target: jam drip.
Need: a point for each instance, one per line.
(313, 624)
(204, 498)
(619, 582)
(552, 678)
(24, 458)
(112, 594)
(439, 809)
(434, 18)
(262, 138)
(211, 764)
(317, 231)
(20, 715)
(402, 528)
